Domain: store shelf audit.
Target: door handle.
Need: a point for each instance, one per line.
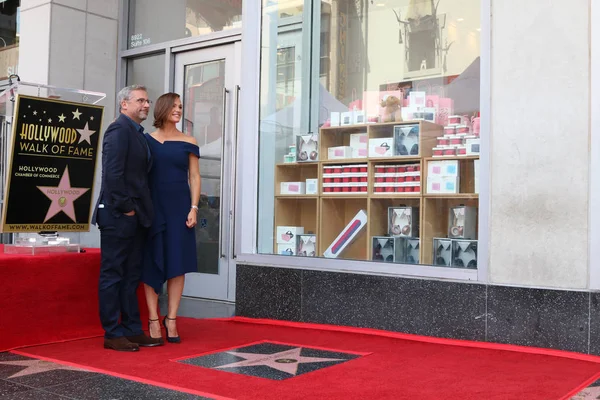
(235, 170)
(223, 142)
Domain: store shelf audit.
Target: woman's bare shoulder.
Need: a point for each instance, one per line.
(188, 138)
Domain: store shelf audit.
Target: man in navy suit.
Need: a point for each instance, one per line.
(124, 213)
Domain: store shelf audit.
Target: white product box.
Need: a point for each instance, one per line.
(307, 246)
(286, 249)
(443, 168)
(462, 222)
(307, 148)
(473, 147)
(312, 186)
(359, 117)
(334, 119)
(293, 188)
(476, 175)
(381, 147)
(347, 118)
(406, 140)
(339, 152)
(359, 140)
(443, 184)
(348, 234)
(288, 234)
(403, 221)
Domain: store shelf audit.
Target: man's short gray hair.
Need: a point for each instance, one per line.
(125, 93)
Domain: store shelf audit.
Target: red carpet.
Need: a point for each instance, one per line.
(396, 366)
(49, 298)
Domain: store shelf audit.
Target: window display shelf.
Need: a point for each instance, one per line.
(346, 161)
(395, 196)
(452, 196)
(297, 196)
(345, 195)
(327, 214)
(451, 158)
(296, 164)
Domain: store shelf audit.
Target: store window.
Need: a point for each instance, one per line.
(9, 38)
(157, 21)
(148, 71)
(369, 138)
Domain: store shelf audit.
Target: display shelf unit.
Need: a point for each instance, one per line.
(327, 213)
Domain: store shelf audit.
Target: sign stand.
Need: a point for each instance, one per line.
(49, 139)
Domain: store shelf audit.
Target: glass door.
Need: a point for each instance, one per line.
(207, 82)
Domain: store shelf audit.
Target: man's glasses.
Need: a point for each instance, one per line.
(141, 101)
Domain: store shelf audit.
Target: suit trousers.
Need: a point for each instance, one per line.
(120, 274)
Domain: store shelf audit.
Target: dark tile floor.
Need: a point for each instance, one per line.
(23, 378)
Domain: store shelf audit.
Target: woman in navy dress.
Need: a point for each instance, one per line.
(175, 186)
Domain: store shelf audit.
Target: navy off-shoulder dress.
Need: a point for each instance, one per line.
(171, 247)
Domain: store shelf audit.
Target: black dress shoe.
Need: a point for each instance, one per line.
(145, 341)
(120, 344)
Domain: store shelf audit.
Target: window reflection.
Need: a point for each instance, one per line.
(180, 19)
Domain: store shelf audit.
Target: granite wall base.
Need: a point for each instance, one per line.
(556, 319)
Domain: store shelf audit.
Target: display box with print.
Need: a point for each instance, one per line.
(412, 250)
(288, 249)
(443, 184)
(293, 188)
(473, 146)
(388, 249)
(359, 142)
(462, 222)
(307, 148)
(464, 253)
(339, 152)
(406, 140)
(307, 246)
(347, 118)
(442, 252)
(443, 168)
(381, 147)
(312, 186)
(288, 234)
(350, 232)
(359, 117)
(403, 221)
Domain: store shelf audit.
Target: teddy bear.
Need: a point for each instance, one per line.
(391, 111)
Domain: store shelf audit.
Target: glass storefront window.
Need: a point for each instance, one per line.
(148, 71)
(9, 38)
(185, 19)
(369, 133)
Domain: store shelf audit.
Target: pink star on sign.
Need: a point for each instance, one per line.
(62, 196)
(285, 361)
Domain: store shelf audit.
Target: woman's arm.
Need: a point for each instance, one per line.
(195, 185)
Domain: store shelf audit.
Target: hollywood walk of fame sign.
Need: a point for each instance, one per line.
(52, 166)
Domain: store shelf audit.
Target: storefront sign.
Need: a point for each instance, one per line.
(52, 167)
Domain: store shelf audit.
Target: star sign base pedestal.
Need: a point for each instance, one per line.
(42, 244)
